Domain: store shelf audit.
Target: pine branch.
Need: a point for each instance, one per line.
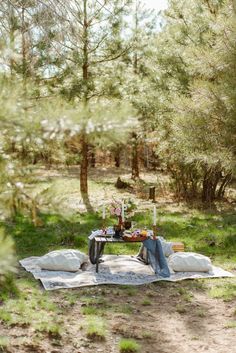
(112, 58)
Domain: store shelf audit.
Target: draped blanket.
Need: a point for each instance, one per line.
(156, 257)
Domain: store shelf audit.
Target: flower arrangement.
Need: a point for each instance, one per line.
(116, 209)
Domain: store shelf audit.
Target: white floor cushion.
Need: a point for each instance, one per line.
(62, 260)
(189, 262)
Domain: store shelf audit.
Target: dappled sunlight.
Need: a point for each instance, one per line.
(117, 117)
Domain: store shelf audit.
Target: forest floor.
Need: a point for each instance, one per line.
(187, 316)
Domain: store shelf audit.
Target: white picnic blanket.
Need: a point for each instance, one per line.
(122, 269)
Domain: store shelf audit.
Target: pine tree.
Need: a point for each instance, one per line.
(194, 64)
(139, 87)
(88, 34)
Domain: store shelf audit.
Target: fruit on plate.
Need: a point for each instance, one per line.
(127, 234)
(139, 232)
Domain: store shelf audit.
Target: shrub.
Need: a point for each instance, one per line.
(128, 346)
(7, 257)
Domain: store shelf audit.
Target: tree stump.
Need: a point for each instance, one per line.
(120, 184)
(152, 195)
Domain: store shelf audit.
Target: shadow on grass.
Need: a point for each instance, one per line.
(204, 232)
(57, 232)
(87, 202)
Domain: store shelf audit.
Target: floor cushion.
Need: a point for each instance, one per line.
(62, 260)
(189, 262)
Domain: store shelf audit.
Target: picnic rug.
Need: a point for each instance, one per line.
(115, 269)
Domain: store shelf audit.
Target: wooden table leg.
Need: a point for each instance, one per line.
(97, 254)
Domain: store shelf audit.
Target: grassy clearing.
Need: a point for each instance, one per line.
(213, 235)
(206, 232)
(24, 304)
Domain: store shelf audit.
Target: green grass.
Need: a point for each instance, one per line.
(8, 288)
(224, 289)
(94, 306)
(146, 302)
(123, 308)
(32, 308)
(23, 303)
(96, 329)
(147, 335)
(128, 346)
(213, 234)
(4, 341)
(90, 310)
(53, 329)
(129, 290)
(185, 294)
(201, 313)
(181, 309)
(231, 324)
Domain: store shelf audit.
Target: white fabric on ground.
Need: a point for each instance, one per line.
(120, 269)
(62, 260)
(190, 262)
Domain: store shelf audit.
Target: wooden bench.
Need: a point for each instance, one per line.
(178, 246)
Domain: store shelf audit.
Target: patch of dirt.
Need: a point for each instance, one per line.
(160, 327)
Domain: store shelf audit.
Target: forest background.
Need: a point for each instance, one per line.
(104, 100)
(92, 83)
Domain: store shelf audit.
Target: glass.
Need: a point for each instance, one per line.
(133, 224)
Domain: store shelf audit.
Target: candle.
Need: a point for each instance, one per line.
(103, 212)
(123, 211)
(154, 215)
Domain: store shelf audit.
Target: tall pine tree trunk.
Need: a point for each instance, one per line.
(135, 157)
(117, 156)
(12, 35)
(92, 156)
(84, 165)
(84, 142)
(134, 145)
(24, 58)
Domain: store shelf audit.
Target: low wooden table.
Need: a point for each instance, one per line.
(108, 239)
(177, 246)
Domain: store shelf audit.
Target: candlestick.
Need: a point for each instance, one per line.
(154, 215)
(103, 212)
(123, 212)
(154, 232)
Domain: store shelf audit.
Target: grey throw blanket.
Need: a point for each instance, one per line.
(156, 257)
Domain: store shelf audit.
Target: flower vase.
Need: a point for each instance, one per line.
(118, 228)
(120, 222)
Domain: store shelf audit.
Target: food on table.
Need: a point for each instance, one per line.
(136, 234)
